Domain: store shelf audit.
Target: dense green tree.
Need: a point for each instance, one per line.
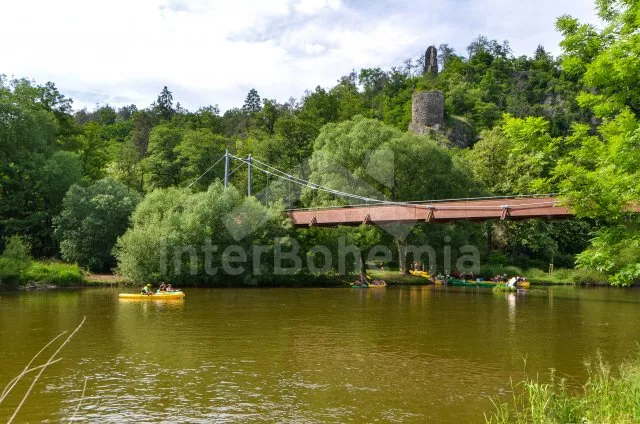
(125, 113)
(197, 152)
(30, 132)
(252, 103)
(170, 227)
(161, 164)
(163, 107)
(367, 158)
(91, 220)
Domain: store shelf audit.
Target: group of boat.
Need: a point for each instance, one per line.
(366, 282)
(363, 281)
(460, 281)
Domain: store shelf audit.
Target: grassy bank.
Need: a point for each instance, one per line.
(560, 276)
(604, 398)
(397, 278)
(104, 280)
(45, 273)
(566, 276)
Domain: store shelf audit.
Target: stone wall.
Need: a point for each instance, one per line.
(427, 109)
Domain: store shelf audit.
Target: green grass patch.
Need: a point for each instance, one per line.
(501, 288)
(604, 398)
(396, 277)
(53, 273)
(491, 270)
(566, 276)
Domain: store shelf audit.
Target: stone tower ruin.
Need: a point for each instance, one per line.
(431, 61)
(427, 111)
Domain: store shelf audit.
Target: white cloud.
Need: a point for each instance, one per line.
(314, 48)
(310, 7)
(213, 52)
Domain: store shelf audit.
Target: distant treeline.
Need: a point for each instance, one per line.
(73, 183)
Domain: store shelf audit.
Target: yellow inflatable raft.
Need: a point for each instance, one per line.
(424, 274)
(154, 296)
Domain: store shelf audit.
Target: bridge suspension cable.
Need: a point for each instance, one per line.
(257, 164)
(428, 204)
(209, 169)
(270, 170)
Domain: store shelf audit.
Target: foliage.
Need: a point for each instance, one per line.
(33, 179)
(365, 157)
(91, 220)
(53, 273)
(17, 267)
(170, 223)
(14, 261)
(489, 271)
(513, 125)
(566, 276)
(605, 398)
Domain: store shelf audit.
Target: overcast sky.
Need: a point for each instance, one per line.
(212, 52)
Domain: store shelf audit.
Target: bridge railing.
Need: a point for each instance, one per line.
(424, 202)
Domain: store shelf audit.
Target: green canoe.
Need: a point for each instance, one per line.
(463, 283)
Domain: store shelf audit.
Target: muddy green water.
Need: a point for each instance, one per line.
(423, 354)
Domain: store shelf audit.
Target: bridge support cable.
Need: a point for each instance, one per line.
(235, 169)
(249, 168)
(270, 170)
(287, 177)
(203, 174)
(226, 169)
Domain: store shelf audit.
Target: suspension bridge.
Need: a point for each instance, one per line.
(382, 211)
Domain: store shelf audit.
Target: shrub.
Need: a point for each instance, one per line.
(589, 277)
(169, 223)
(14, 260)
(55, 273)
(490, 270)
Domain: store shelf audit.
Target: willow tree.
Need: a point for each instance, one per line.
(367, 158)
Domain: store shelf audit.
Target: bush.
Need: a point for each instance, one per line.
(589, 277)
(604, 398)
(54, 273)
(14, 260)
(559, 276)
(491, 270)
(170, 223)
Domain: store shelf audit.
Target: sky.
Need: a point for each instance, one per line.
(124, 52)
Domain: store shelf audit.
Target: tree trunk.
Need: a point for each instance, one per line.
(402, 256)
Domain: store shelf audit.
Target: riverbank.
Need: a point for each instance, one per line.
(42, 274)
(51, 274)
(104, 280)
(604, 398)
(396, 278)
(298, 281)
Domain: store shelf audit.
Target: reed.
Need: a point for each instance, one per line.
(604, 398)
(52, 359)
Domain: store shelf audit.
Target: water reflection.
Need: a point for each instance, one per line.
(421, 354)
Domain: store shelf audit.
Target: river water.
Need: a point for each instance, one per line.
(412, 354)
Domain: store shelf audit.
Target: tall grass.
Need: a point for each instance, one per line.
(566, 276)
(53, 273)
(603, 399)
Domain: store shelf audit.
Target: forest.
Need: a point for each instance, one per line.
(100, 190)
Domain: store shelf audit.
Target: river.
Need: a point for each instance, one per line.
(411, 354)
